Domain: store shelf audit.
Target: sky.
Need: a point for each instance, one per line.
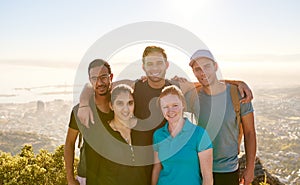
(58, 33)
(61, 30)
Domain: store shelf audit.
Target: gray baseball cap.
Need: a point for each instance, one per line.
(201, 53)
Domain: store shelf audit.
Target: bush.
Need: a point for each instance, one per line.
(26, 168)
(44, 168)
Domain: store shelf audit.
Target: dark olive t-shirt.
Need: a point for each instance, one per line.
(116, 164)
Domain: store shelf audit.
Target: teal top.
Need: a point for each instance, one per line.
(179, 155)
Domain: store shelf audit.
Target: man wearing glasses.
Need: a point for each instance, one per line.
(100, 77)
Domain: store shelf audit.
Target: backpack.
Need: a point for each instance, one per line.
(236, 105)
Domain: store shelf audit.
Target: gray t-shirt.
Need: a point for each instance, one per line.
(216, 114)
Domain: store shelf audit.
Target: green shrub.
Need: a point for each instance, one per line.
(44, 168)
(26, 168)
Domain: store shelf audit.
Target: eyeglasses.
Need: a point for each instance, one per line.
(103, 78)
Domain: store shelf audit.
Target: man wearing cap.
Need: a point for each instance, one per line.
(217, 115)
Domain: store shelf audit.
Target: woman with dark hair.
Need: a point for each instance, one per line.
(119, 166)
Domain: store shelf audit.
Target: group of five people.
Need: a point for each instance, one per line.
(140, 135)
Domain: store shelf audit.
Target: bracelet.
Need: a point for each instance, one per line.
(83, 106)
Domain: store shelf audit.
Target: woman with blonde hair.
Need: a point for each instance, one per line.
(182, 150)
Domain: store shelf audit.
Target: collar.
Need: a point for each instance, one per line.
(187, 126)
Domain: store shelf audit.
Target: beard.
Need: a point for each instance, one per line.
(102, 90)
(155, 78)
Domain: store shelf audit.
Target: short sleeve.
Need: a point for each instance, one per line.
(246, 108)
(73, 123)
(205, 141)
(155, 142)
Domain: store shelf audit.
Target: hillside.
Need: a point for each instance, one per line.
(44, 125)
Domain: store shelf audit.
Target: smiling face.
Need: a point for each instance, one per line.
(155, 66)
(123, 105)
(172, 107)
(205, 71)
(100, 80)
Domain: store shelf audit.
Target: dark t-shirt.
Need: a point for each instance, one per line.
(149, 117)
(81, 168)
(147, 111)
(115, 164)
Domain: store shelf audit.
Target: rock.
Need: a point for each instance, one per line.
(259, 172)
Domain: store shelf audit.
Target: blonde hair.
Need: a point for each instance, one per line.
(174, 90)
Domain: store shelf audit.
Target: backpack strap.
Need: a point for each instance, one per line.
(235, 102)
(237, 108)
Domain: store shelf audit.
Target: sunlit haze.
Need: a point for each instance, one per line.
(43, 42)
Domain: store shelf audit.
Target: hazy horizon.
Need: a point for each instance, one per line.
(35, 82)
(43, 43)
